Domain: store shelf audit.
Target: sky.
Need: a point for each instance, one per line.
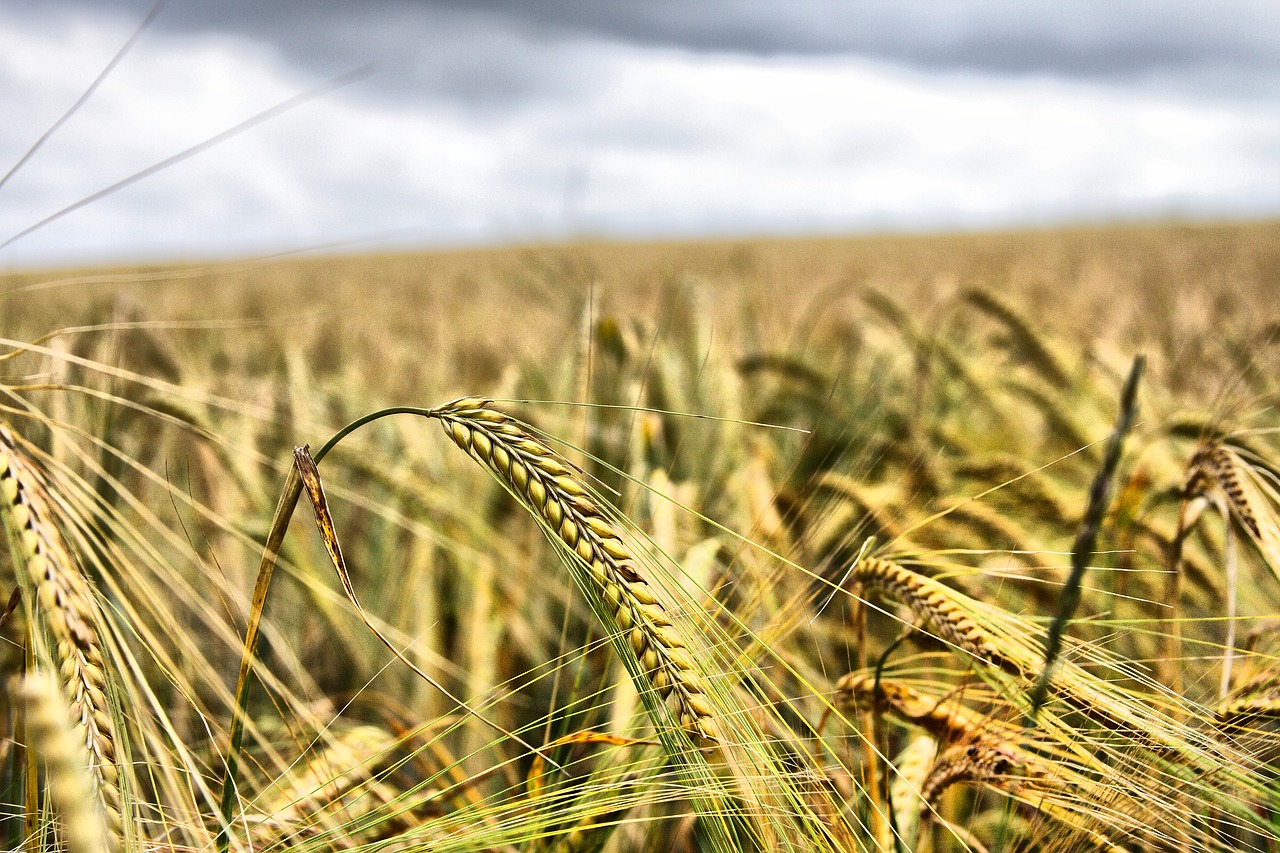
(502, 121)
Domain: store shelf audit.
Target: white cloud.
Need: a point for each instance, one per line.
(648, 141)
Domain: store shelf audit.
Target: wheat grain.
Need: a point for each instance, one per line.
(551, 489)
(62, 596)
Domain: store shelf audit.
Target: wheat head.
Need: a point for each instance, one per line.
(946, 718)
(552, 490)
(1215, 468)
(63, 598)
(931, 603)
(70, 787)
(986, 761)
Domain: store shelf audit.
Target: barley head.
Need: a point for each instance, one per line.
(553, 491)
(60, 594)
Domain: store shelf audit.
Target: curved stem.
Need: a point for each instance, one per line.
(367, 419)
(275, 538)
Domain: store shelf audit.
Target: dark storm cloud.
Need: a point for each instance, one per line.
(1086, 38)
(486, 49)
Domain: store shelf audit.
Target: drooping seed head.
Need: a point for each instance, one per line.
(553, 491)
(65, 602)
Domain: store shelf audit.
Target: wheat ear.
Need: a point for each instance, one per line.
(1026, 338)
(1003, 766)
(931, 602)
(939, 614)
(1214, 466)
(946, 719)
(1215, 474)
(978, 741)
(60, 593)
(551, 489)
(1257, 697)
(986, 761)
(593, 830)
(70, 788)
(911, 769)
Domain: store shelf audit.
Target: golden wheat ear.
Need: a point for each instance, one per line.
(946, 719)
(1256, 699)
(1216, 473)
(553, 491)
(1026, 340)
(62, 616)
(933, 604)
(1246, 496)
(985, 761)
(67, 775)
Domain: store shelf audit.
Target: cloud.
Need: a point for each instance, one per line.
(585, 135)
(1226, 48)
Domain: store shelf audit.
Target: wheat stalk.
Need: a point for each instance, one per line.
(62, 596)
(551, 489)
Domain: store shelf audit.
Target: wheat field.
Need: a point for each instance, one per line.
(747, 545)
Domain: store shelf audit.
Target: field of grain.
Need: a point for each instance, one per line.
(738, 546)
